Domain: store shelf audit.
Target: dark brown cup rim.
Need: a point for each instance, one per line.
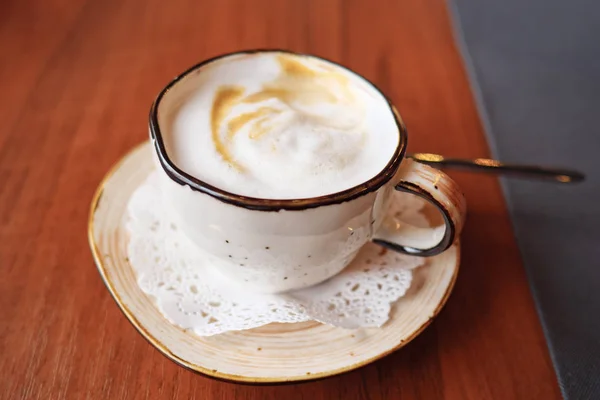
(253, 203)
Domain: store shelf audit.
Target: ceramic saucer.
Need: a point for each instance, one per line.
(275, 353)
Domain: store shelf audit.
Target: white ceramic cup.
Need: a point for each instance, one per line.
(270, 245)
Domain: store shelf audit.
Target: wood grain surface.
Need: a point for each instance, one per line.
(77, 79)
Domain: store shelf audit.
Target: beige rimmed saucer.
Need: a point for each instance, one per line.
(275, 353)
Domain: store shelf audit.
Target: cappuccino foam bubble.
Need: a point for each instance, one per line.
(278, 126)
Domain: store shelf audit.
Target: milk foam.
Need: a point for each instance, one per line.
(278, 126)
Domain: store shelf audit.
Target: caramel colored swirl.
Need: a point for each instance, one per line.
(297, 88)
(225, 99)
(260, 116)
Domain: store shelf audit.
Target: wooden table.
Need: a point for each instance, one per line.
(77, 79)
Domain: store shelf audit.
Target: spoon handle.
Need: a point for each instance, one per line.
(487, 165)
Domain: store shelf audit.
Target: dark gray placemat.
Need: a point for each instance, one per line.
(535, 69)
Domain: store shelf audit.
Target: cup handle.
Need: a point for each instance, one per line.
(441, 191)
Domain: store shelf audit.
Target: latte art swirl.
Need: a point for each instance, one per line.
(279, 126)
(320, 101)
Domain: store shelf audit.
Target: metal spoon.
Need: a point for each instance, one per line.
(494, 166)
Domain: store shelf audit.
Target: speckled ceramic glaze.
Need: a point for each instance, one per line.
(276, 353)
(278, 245)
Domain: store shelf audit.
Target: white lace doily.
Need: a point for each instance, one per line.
(188, 293)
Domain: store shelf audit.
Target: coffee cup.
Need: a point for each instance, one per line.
(309, 225)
